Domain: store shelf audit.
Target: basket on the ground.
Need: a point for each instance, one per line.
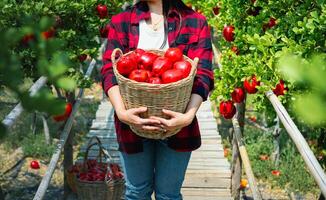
(172, 96)
(109, 189)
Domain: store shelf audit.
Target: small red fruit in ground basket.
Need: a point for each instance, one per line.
(250, 85)
(126, 64)
(276, 172)
(172, 75)
(139, 75)
(154, 80)
(280, 89)
(238, 95)
(184, 66)
(216, 10)
(174, 54)
(228, 33)
(48, 34)
(35, 164)
(146, 60)
(65, 115)
(160, 65)
(102, 11)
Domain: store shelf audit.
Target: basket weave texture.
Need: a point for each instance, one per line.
(172, 96)
(99, 190)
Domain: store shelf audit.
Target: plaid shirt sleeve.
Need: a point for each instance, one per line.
(108, 77)
(204, 79)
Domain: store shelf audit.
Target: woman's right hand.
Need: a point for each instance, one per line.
(131, 117)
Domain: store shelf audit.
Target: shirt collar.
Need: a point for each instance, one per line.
(141, 11)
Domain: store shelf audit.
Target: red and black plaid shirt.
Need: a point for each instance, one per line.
(193, 39)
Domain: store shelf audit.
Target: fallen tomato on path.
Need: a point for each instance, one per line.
(35, 164)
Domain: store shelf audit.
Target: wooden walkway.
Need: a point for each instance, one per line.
(208, 176)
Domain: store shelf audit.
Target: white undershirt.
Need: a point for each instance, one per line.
(150, 39)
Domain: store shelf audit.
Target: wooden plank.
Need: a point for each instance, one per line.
(210, 164)
(206, 192)
(209, 147)
(206, 154)
(102, 134)
(197, 167)
(206, 141)
(209, 173)
(210, 160)
(205, 198)
(208, 132)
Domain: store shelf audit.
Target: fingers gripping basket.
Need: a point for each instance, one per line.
(173, 96)
(108, 189)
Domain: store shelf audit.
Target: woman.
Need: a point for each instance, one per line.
(158, 165)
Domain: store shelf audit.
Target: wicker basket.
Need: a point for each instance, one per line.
(173, 96)
(99, 190)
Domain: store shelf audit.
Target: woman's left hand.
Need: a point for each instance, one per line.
(177, 120)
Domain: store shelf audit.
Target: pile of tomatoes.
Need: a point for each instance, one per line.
(96, 171)
(148, 67)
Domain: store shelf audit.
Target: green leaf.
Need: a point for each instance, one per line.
(311, 107)
(46, 23)
(66, 83)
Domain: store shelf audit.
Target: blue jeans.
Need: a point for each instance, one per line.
(158, 168)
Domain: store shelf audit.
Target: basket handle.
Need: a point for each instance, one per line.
(196, 60)
(113, 55)
(90, 145)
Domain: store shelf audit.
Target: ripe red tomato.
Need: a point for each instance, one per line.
(184, 66)
(254, 11)
(216, 10)
(138, 53)
(263, 157)
(35, 164)
(65, 115)
(226, 107)
(174, 54)
(172, 75)
(82, 57)
(104, 31)
(146, 60)
(126, 64)
(102, 11)
(160, 65)
(276, 172)
(280, 89)
(271, 22)
(238, 95)
(139, 75)
(48, 34)
(154, 80)
(228, 33)
(27, 38)
(231, 114)
(250, 85)
(235, 50)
